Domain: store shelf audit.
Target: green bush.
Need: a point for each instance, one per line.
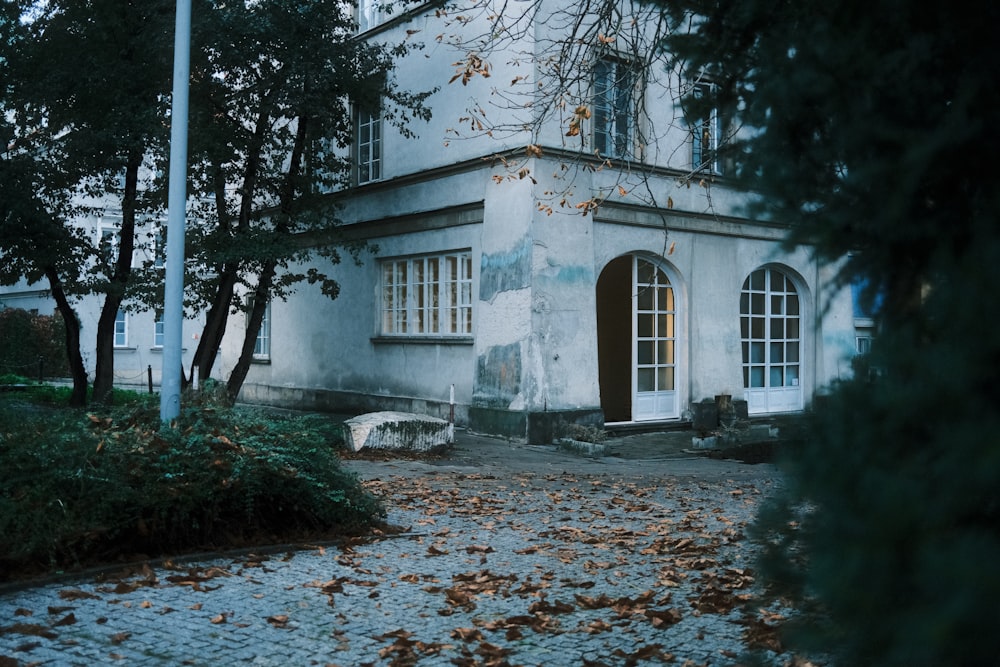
(26, 338)
(79, 489)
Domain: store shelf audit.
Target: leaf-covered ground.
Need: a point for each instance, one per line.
(520, 569)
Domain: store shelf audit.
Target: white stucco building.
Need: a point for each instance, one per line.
(500, 293)
(526, 312)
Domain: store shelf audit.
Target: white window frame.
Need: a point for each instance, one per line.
(707, 134)
(121, 329)
(158, 330)
(427, 295)
(368, 145)
(371, 14)
(262, 344)
(616, 105)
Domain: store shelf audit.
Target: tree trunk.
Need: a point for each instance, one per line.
(262, 293)
(261, 297)
(78, 397)
(104, 372)
(218, 314)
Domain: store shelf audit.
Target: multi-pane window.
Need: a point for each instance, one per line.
(655, 334)
(427, 296)
(158, 329)
(121, 329)
(370, 14)
(614, 113)
(707, 133)
(369, 145)
(769, 327)
(262, 344)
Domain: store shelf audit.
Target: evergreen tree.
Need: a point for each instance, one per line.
(872, 137)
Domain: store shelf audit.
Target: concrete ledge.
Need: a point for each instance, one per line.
(591, 449)
(398, 430)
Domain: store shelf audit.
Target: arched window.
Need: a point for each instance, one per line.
(770, 328)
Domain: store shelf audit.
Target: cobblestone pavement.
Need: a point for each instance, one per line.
(510, 555)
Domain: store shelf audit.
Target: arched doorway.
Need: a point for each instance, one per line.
(770, 329)
(636, 341)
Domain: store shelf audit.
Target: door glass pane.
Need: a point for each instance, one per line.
(776, 374)
(793, 328)
(757, 327)
(777, 305)
(793, 304)
(756, 353)
(665, 326)
(777, 353)
(644, 300)
(665, 378)
(792, 375)
(665, 299)
(757, 280)
(756, 376)
(645, 272)
(777, 328)
(644, 352)
(757, 304)
(645, 326)
(744, 327)
(665, 352)
(645, 379)
(792, 352)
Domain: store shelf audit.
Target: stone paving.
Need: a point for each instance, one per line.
(509, 555)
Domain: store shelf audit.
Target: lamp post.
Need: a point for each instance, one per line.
(173, 297)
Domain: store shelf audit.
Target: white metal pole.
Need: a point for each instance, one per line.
(173, 298)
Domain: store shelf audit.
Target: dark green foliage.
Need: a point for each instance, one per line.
(873, 141)
(26, 339)
(79, 489)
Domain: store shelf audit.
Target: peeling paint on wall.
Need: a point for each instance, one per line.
(498, 376)
(500, 272)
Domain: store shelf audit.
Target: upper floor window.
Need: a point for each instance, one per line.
(370, 14)
(615, 107)
(707, 133)
(427, 296)
(368, 142)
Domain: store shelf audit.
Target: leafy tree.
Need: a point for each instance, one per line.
(873, 140)
(88, 84)
(271, 100)
(35, 242)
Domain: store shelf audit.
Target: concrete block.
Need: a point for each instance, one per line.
(398, 430)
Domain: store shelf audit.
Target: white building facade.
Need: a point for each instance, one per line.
(489, 300)
(546, 253)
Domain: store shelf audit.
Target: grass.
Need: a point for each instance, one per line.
(82, 488)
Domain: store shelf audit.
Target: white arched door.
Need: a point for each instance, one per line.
(770, 328)
(654, 344)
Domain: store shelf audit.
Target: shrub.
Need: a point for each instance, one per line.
(78, 488)
(26, 338)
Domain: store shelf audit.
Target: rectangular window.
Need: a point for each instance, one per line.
(615, 105)
(368, 140)
(427, 296)
(121, 329)
(262, 345)
(158, 329)
(370, 14)
(707, 134)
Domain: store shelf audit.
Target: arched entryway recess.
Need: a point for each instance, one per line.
(637, 339)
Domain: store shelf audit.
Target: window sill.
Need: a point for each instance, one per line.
(422, 340)
(125, 348)
(265, 361)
